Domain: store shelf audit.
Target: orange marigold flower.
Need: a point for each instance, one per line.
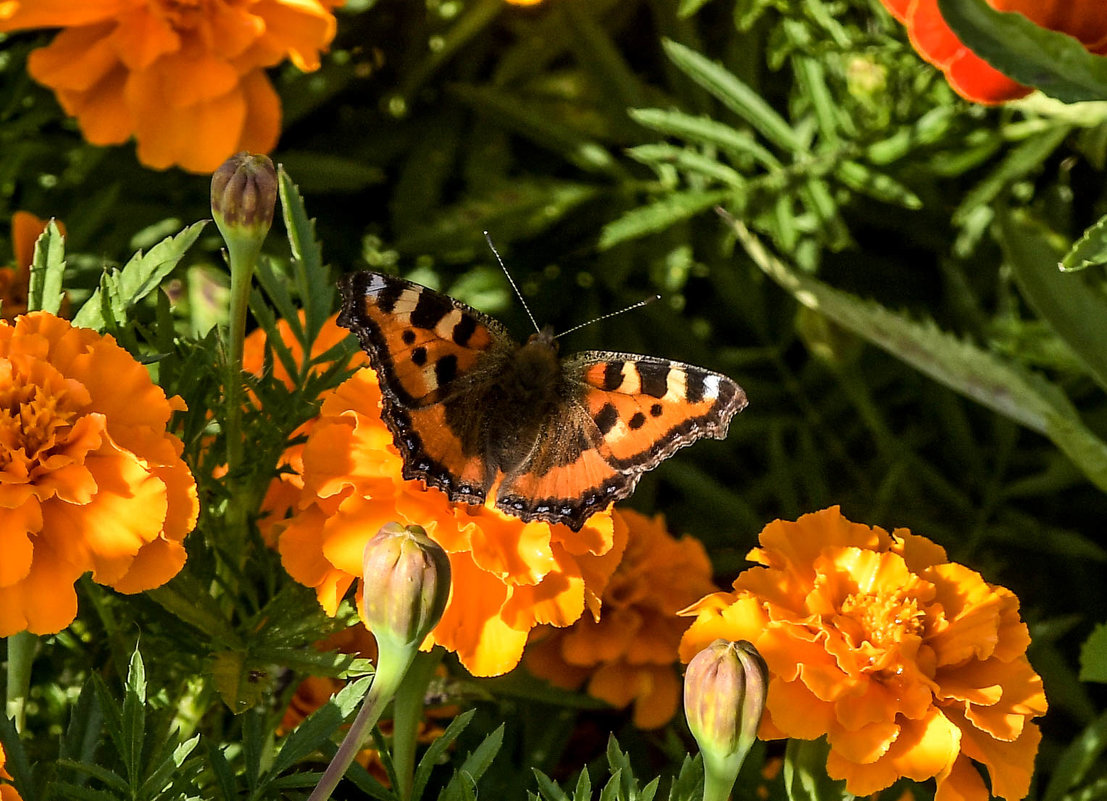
(89, 477)
(508, 576)
(629, 654)
(185, 78)
(971, 76)
(284, 490)
(15, 281)
(912, 666)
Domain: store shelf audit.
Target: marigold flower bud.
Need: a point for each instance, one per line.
(724, 697)
(405, 584)
(243, 195)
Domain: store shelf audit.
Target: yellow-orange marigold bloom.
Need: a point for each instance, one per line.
(911, 665)
(508, 576)
(15, 281)
(284, 490)
(629, 655)
(89, 477)
(186, 78)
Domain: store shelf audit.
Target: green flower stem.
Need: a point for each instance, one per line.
(408, 714)
(243, 257)
(392, 664)
(21, 653)
(719, 775)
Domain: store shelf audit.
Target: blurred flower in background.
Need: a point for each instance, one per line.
(185, 79)
(971, 76)
(7, 792)
(15, 281)
(629, 655)
(912, 666)
(508, 576)
(90, 480)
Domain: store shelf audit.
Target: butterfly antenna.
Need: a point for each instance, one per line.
(511, 280)
(631, 307)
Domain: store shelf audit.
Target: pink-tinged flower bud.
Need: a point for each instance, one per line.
(243, 196)
(405, 584)
(724, 697)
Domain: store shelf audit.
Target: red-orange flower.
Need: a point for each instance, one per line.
(15, 281)
(971, 76)
(89, 477)
(911, 666)
(185, 78)
(508, 576)
(629, 655)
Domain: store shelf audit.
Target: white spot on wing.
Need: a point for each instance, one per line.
(711, 387)
(676, 385)
(405, 304)
(445, 326)
(632, 382)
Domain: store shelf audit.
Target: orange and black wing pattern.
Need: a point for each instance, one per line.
(629, 414)
(422, 344)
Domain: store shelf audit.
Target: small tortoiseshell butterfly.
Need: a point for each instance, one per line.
(467, 405)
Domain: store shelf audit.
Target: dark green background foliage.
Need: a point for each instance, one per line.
(593, 139)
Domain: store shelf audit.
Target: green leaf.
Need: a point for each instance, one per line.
(688, 161)
(237, 680)
(672, 208)
(134, 718)
(319, 725)
(1083, 755)
(876, 185)
(805, 776)
(1093, 655)
(47, 267)
(1017, 163)
(978, 374)
(1090, 250)
(549, 789)
(732, 92)
(1054, 62)
(121, 289)
(439, 746)
(704, 131)
(1076, 312)
(313, 282)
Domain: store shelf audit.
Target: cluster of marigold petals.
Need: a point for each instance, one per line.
(186, 80)
(912, 666)
(628, 655)
(971, 76)
(508, 576)
(90, 480)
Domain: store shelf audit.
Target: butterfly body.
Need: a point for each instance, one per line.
(473, 412)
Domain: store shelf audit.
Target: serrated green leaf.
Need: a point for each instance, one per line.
(1093, 655)
(82, 736)
(688, 161)
(876, 185)
(314, 283)
(47, 267)
(659, 215)
(548, 788)
(978, 374)
(134, 718)
(438, 748)
(583, 790)
(319, 725)
(1081, 757)
(221, 769)
(17, 764)
(237, 681)
(1076, 312)
(1090, 249)
(704, 131)
(733, 93)
(76, 792)
(122, 289)
(1054, 62)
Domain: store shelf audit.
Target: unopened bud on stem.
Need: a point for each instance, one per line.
(724, 697)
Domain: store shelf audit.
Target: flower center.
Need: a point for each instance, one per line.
(879, 623)
(32, 421)
(183, 15)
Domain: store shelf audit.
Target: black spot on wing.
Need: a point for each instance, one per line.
(388, 295)
(613, 376)
(408, 336)
(429, 309)
(419, 356)
(464, 329)
(654, 378)
(445, 369)
(606, 418)
(694, 385)
(656, 410)
(637, 421)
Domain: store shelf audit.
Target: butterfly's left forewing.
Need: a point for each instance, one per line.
(420, 343)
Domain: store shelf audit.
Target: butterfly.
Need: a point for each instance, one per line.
(473, 412)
